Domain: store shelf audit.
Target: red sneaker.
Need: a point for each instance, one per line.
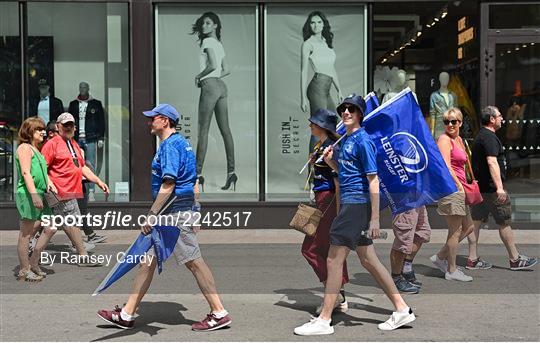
(211, 322)
(113, 317)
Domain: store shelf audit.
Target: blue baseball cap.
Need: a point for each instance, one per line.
(355, 100)
(165, 110)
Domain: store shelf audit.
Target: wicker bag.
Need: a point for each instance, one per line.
(307, 218)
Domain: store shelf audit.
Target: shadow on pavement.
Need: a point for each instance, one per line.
(150, 313)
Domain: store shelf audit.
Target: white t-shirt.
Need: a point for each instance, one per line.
(82, 118)
(219, 53)
(322, 58)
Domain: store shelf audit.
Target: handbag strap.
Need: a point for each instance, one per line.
(45, 177)
(331, 202)
(468, 153)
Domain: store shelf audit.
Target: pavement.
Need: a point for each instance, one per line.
(269, 289)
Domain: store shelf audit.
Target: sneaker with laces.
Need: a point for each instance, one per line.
(405, 286)
(457, 275)
(341, 305)
(411, 277)
(442, 265)
(478, 264)
(315, 326)
(396, 320)
(113, 317)
(211, 322)
(89, 247)
(523, 262)
(95, 238)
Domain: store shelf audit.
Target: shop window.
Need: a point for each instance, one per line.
(514, 16)
(206, 67)
(78, 62)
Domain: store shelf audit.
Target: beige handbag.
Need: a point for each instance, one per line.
(307, 218)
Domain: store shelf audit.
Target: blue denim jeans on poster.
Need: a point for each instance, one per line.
(318, 93)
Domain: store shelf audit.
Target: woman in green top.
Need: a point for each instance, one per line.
(33, 183)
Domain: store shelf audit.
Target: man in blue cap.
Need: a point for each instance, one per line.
(357, 222)
(173, 176)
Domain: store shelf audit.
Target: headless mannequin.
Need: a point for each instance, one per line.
(399, 83)
(440, 101)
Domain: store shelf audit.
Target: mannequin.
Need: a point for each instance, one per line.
(47, 107)
(440, 101)
(90, 121)
(399, 82)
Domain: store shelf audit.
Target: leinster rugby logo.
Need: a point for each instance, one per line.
(404, 155)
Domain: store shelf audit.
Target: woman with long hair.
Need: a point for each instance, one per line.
(453, 207)
(33, 183)
(213, 98)
(317, 50)
(326, 190)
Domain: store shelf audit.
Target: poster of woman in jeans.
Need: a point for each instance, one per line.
(317, 50)
(314, 55)
(213, 98)
(206, 66)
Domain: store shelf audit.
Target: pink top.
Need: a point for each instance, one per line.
(458, 158)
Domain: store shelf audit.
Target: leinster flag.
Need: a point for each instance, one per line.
(410, 167)
(371, 103)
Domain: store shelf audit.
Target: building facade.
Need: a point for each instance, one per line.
(252, 121)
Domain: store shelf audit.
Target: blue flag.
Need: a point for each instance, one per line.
(411, 170)
(162, 239)
(371, 103)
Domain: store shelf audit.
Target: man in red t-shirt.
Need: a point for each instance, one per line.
(66, 167)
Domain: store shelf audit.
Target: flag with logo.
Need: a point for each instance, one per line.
(371, 103)
(411, 170)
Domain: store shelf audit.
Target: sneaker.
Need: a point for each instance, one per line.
(457, 275)
(341, 305)
(113, 317)
(91, 196)
(411, 277)
(397, 320)
(89, 247)
(442, 265)
(95, 238)
(211, 322)
(405, 286)
(478, 264)
(523, 262)
(315, 326)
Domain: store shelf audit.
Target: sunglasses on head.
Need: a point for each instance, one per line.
(453, 121)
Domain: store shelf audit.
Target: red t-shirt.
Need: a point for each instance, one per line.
(62, 171)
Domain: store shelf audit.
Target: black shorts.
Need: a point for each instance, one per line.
(501, 212)
(347, 228)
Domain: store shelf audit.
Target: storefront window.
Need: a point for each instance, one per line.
(78, 62)
(206, 66)
(10, 94)
(333, 39)
(514, 16)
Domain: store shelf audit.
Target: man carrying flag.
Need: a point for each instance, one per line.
(173, 174)
(359, 213)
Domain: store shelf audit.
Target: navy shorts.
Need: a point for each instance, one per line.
(347, 227)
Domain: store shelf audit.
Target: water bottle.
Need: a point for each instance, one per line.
(383, 234)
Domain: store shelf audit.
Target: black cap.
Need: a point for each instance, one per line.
(355, 100)
(325, 119)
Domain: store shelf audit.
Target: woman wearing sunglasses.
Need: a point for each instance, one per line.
(33, 183)
(453, 207)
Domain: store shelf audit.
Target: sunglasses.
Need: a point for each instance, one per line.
(453, 121)
(40, 128)
(350, 108)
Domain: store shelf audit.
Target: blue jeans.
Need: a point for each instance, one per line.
(89, 157)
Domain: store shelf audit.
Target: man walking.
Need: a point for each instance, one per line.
(173, 174)
(489, 167)
(358, 214)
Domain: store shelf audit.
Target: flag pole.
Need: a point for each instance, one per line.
(319, 160)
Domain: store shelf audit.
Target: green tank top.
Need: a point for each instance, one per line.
(38, 170)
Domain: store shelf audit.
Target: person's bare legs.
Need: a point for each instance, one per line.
(507, 236)
(27, 231)
(206, 283)
(450, 249)
(336, 257)
(370, 261)
(473, 241)
(396, 261)
(41, 244)
(141, 284)
(75, 236)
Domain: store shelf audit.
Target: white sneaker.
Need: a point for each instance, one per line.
(396, 320)
(87, 246)
(91, 196)
(442, 265)
(316, 326)
(457, 275)
(341, 305)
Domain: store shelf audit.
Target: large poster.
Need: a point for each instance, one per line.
(315, 56)
(207, 68)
